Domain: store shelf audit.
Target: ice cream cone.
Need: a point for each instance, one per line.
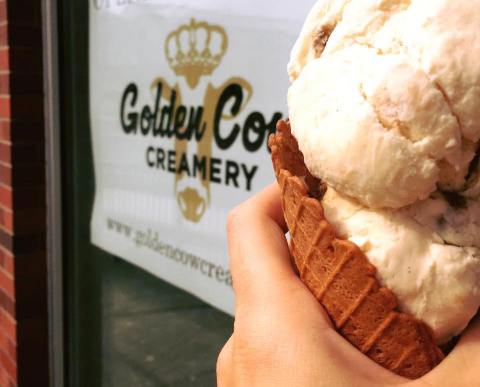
(340, 276)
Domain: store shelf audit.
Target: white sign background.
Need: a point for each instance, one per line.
(136, 213)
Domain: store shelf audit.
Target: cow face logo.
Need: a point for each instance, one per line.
(193, 205)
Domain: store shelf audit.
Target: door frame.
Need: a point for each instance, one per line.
(53, 194)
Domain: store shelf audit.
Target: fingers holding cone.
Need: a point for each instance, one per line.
(465, 356)
(262, 270)
(259, 255)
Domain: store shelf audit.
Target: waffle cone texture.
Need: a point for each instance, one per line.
(340, 276)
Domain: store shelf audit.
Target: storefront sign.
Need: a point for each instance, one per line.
(183, 96)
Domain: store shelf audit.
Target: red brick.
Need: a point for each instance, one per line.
(4, 83)
(11, 349)
(5, 175)
(6, 197)
(6, 283)
(6, 240)
(5, 153)
(3, 11)
(22, 197)
(4, 130)
(8, 346)
(6, 219)
(9, 325)
(3, 35)
(6, 261)
(9, 264)
(2, 217)
(8, 364)
(3, 339)
(4, 379)
(4, 59)
(7, 303)
(5, 108)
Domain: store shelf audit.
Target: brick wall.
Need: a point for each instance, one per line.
(23, 307)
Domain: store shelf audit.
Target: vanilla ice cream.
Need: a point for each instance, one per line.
(385, 105)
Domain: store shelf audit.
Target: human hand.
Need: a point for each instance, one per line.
(282, 335)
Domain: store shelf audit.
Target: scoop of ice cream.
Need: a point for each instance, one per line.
(385, 96)
(436, 282)
(384, 104)
(369, 134)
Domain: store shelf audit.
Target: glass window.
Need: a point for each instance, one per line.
(124, 326)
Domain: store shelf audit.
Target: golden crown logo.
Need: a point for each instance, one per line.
(195, 50)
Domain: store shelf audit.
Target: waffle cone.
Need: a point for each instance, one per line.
(340, 276)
